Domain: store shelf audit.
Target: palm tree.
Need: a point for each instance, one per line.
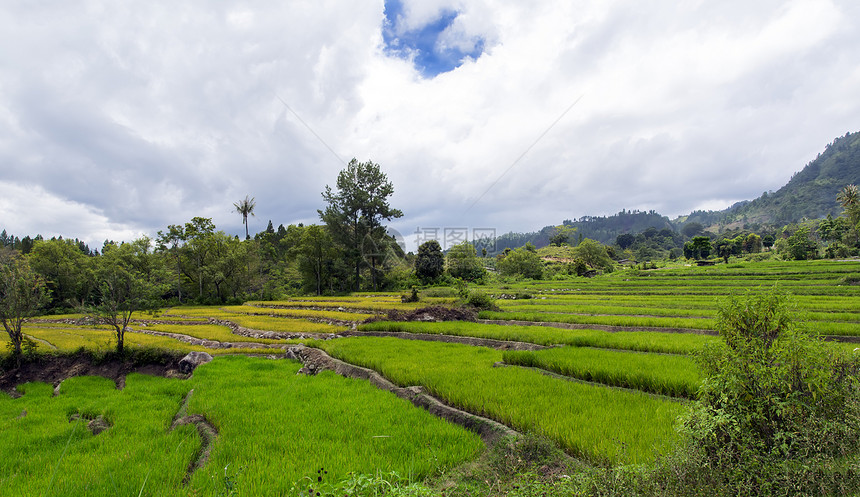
(245, 207)
(849, 197)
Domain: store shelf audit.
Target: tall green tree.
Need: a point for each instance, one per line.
(169, 243)
(67, 271)
(849, 198)
(315, 252)
(22, 294)
(430, 261)
(832, 229)
(462, 262)
(698, 247)
(752, 244)
(227, 265)
(355, 212)
(127, 282)
(801, 246)
(245, 207)
(197, 248)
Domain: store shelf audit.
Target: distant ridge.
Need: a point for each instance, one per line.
(810, 194)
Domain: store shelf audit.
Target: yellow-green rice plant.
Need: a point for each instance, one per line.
(214, 332)
(298, 313)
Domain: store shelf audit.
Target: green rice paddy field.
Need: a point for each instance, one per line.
(616, 373)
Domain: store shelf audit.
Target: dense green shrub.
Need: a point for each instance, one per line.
(778, 406)
(595, 255)
(463, 262)
(481, 301)
(523, 261)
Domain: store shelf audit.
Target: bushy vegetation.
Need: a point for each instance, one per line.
(523, 261)
(462, 262)
(777, 405)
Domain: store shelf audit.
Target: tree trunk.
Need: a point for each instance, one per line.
(357, 273)
(319, 277)
(179, 280)
(120, 340)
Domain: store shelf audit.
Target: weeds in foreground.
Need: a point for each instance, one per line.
(368, 485)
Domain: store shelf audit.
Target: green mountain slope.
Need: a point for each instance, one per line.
(811, 193)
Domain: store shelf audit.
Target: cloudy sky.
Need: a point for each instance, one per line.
(119, 118)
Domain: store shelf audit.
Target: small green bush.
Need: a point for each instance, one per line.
(411, 297)
(481, 301)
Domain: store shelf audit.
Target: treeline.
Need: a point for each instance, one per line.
(830, 237)
(196, 263)
(25, 245)
(603, 229)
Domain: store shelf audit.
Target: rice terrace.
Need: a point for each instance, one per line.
(449, 248)
(325, 360)
(573, 382)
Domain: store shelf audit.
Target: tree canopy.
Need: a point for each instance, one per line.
(22, 294)
(354, 214)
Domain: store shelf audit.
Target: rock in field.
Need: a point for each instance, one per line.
(192, 360)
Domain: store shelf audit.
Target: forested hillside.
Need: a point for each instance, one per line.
(811, 193)
(603, 229)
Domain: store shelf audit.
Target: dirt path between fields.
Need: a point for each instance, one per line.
(427, 337)
(205, 429)
(202, 342)
(43, 342)
(271, 335)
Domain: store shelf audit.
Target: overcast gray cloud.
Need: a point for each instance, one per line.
(117, 120)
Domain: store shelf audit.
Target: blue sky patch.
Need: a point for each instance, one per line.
(423, 43)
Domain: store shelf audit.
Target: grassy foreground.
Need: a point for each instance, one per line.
(274, 428)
